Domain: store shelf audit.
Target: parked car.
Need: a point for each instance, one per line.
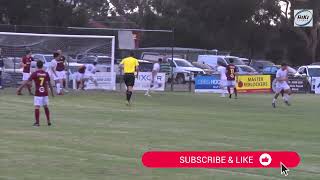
(245, 70)
(310, 72)
(316, 63)
(103, 62)
(183, 70)
(246, 61)
(206, 68)
(259, 65)
(12, 64)
(272, 70)
(212, 60)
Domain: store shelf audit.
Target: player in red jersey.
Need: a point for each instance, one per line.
(61, 63)
(42, 81)
(80, 77)
(26, 65)
(231, 74)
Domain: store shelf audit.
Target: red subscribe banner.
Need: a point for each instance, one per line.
(220, 159)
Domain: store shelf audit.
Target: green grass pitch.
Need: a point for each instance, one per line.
(96, 137)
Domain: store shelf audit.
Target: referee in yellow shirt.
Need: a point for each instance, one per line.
(130, 66)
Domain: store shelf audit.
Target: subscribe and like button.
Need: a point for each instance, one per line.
(220, 159)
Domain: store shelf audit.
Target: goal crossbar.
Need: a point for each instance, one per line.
(55, 35)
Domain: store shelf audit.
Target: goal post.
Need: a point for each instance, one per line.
(78, 49)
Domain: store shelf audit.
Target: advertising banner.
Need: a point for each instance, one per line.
(317, 86)
(254, 83)
(297, 84)
(142, 83)
(104, 81)
(208, 84)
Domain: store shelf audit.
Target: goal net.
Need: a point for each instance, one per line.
(78, 50)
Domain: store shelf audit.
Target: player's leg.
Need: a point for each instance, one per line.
(37, 104)
(287, 94)
(222, 86)
(82, 82)
(64, 81)
(229, 86)
(129, 80)
(46, 109)
(150, 87)
(25, 77)
(78, 80)
(235, 91)
(29, 87)
(93, 79)
(58, 86)
(278, 92)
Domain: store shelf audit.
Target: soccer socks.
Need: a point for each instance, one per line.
(58, 88)
(286, 97)
(129, 94)
(46, 110)
(229, 90)
(235, 92)
(37, 115)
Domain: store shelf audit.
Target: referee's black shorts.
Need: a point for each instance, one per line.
(129, 79)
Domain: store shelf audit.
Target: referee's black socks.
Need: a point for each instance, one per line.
(129, 94)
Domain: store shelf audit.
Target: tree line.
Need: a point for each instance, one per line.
(250, 28)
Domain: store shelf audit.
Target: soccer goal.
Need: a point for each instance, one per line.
(78, 50)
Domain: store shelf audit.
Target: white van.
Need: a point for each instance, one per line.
(183, 70)
(212, 60)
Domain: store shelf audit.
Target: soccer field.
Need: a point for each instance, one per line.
(95, 136)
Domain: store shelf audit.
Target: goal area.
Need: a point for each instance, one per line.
(78, 50)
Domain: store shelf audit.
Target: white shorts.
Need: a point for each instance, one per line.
(61, 75)
(41, 101)
(79, 76)
(223, 83)
(231, 83)
(53, 77)
(25, 76)
(282, 86)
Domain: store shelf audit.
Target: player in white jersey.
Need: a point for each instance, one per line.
(282, 85)
(223, 78)
(89, 73)
(53, 73)
(154, 81)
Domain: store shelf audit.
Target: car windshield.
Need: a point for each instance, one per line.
(248, 69)
(183, 63)
(236, 61)
(202, 66)
(48, 58)
(314, 72)
(104, 60)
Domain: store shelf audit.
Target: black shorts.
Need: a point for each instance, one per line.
(129, 79)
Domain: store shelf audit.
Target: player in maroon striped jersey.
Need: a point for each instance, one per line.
(231, 78)
(42, 81)
(61, 69)
(26, 65)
